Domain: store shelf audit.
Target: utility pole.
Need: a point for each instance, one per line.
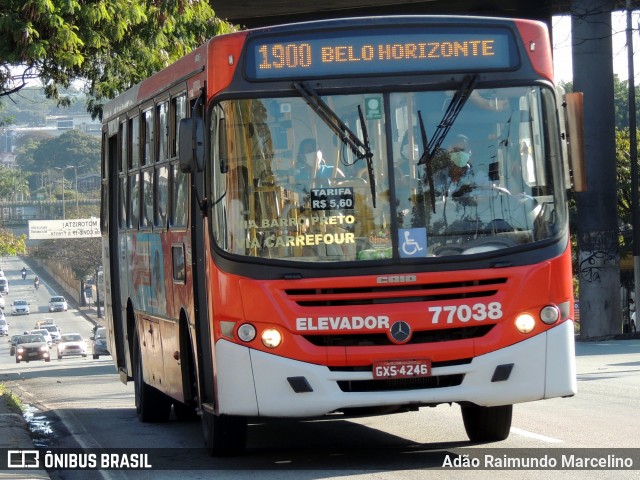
(633, 158)
(598, 230)
(75, 171)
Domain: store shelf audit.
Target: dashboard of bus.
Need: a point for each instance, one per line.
(386, 175)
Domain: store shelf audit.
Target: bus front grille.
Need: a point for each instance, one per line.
(400, 384)
(395, 293)
(378, 339)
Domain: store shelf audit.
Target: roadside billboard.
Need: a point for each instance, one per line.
(52, 229)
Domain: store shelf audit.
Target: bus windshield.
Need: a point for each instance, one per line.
(288, 184)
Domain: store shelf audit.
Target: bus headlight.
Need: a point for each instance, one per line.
(550, 314)
(525, 323)
(271, 338)
(246, 332)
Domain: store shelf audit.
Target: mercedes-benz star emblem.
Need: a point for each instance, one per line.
(400, 332)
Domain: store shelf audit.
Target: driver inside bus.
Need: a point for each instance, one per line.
(310, 163)
(456, 177)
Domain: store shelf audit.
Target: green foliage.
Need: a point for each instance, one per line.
(11, 244)
(12, 183)
(623, 180)
(12, 401)
(72, 148)
(82, 255)
(621, 102)
(109, 44)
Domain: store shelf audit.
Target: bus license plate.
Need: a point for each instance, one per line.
(386, 369)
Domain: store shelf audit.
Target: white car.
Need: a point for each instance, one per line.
(20, 307)
(45, 334)
(53, 330)
(2, 303)
(4, 326)
(4, 286)
(71, 344)
(58, 303)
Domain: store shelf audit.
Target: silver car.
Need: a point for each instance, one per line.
(20, 307)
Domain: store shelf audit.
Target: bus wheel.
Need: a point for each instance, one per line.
(151, 404)
(224, 435)
(487, 424)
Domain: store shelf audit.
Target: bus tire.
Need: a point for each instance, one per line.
(224, 435)
(151, 404)
(487, 424)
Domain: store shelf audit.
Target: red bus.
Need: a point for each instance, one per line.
(353, 216)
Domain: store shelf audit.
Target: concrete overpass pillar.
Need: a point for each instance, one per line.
(599, 271)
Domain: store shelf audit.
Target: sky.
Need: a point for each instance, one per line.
(562, 63)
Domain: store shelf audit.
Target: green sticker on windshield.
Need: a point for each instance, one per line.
(373, 108)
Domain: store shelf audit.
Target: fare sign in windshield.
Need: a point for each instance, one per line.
(52, 229)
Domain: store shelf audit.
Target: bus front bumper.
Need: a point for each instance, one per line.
(255, 383)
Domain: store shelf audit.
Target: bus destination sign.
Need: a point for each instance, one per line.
(410, 51)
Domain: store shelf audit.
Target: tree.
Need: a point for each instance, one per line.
(82, 255)
(109, 44)
(11, 244)
(71, 148)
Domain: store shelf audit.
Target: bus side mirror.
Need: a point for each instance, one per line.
(191, 147)
(575, 137)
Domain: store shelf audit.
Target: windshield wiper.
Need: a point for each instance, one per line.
(428, 161)
(368, 155)
(457, 102)
(360, 149)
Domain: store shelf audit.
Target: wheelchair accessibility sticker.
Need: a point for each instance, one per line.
(413, 242)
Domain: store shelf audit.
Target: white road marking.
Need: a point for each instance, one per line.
(537, 436)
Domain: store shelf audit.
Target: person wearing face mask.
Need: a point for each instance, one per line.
(457, 177)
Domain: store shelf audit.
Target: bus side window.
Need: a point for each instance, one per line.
(123, 202)
(179, 198)
(134, 200)
(177, 259)
(162, 195)
(146, 219)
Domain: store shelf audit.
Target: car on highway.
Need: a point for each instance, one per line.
(4, 326)
(53, 330)
(2, 302)
(4, 286)
(13, 341)
(71, 344)
(45, 334)
(58, 303)
(99, 339)
(20, 307)
(32, 347)
(44, 321)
